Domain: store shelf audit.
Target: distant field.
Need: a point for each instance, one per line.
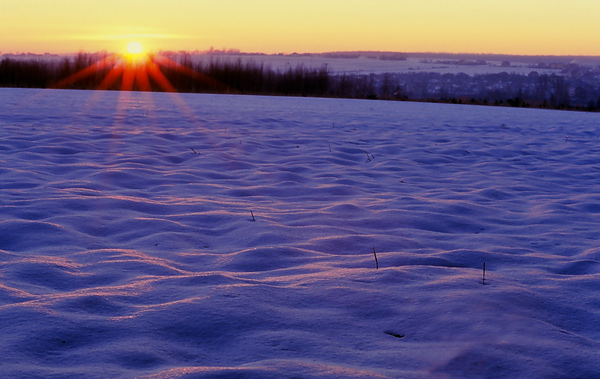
(366, 65)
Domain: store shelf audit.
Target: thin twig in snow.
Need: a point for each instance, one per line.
(376, 262)
(397, 335)
(483, 281)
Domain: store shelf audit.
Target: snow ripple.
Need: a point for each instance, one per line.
(236, 236)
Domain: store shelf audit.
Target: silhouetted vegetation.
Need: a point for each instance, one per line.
(575, 88)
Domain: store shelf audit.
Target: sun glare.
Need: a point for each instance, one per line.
(135, 48)
(136, 69)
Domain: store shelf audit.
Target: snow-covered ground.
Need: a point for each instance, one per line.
(197, 236)
(364, 65)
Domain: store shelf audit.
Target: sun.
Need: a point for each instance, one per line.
(135, 48)
(136, 69)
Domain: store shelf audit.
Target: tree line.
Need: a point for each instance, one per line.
(579, 90)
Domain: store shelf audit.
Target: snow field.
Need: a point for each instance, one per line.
(159, 235)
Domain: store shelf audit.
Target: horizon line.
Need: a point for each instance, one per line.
(233, 51)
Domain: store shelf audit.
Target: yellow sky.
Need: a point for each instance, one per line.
(531, 27)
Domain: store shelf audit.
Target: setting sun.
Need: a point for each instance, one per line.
(135, 48)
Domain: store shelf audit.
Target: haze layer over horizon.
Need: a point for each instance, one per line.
(468, 26)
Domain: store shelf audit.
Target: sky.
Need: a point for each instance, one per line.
(521, 27)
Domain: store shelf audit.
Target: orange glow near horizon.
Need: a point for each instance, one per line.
(536, 27)
(135, 68)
